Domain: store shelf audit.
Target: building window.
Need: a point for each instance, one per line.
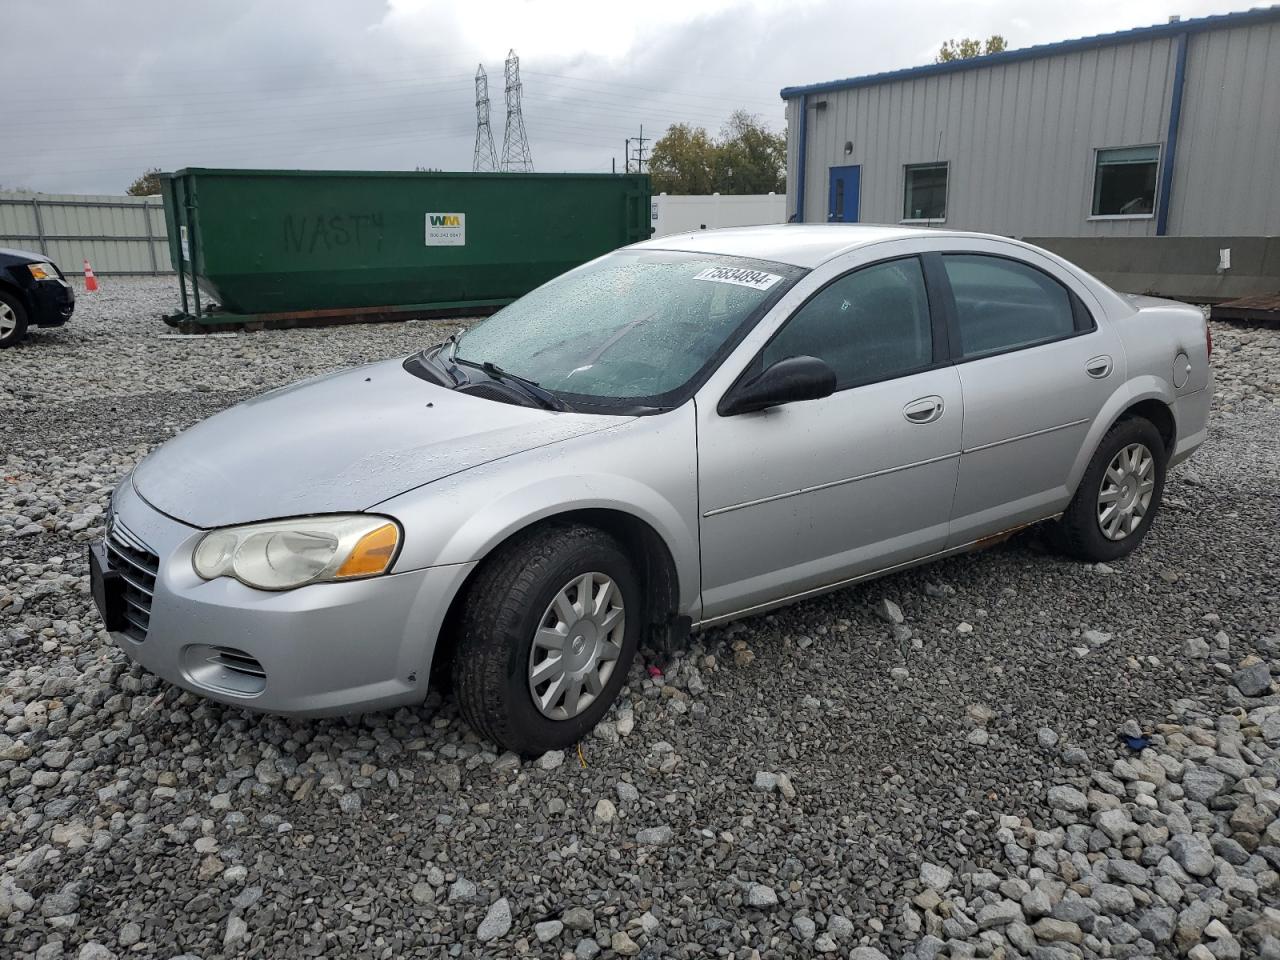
(925, 193)
(1124, 182)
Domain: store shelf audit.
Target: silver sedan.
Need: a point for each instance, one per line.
(683, 432)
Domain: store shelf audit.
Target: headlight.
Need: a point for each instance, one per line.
(43, 271)
(283, 554)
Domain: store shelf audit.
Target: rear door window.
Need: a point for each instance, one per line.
(1003, 304)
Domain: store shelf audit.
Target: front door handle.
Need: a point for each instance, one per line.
(1098, 367)
(924, 410)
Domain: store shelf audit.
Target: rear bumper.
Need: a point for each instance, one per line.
(1191, 413)
(50, 303)
(334, 648)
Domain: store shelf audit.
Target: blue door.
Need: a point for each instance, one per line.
(842, 197)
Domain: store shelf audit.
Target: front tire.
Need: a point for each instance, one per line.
(1119, 495)
(548, 632)
(13, 320)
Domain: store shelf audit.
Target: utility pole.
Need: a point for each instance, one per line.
(515, 142)
(641, 140)
(485, 158)
(626, 155)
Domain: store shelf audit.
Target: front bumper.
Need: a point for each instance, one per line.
(332, 648)
(50, 303)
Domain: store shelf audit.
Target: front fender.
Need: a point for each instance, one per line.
(1145, 387)
(651, 476)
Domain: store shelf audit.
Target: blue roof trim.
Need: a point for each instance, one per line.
(1198, 25)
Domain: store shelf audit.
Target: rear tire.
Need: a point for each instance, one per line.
(527, 593)
(13, 320)
(1119, 495)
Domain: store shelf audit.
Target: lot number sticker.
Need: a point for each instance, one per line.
(756, 279)
(446, 229)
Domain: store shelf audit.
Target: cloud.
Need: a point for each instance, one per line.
(387, 84)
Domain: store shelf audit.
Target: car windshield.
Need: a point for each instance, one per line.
(636, 325)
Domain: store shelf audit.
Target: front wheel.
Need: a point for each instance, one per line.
(13, 320)
(1119, 495)
(548, 633)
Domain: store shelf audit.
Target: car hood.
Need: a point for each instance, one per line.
(23, 255)
(341, 442)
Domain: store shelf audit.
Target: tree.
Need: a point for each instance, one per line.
(683, 161)
(146, 185)
(750, 158)
(747, 158)
(967, 48)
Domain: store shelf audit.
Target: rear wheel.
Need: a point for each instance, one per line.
(547, 636)
(13, 320)
(1119, 495)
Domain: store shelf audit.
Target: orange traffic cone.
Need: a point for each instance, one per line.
(90, 281)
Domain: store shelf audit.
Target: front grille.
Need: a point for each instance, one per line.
(137, 566)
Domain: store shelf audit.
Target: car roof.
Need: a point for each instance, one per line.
(798, 244)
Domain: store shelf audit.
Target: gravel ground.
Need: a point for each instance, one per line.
(822, 780)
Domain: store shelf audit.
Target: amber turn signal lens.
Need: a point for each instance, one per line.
(372, 554)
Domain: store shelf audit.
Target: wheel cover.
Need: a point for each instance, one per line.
(576, 646)
(8, 320)
(1125, 494)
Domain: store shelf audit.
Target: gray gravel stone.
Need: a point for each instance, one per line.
(1068, 798)
(1253, 680)
(1202, 784)
(804, 927)
(999, 914)
(1193, 853)
(839, 927)
(761, 896)
(548, 930)
(654, 836)
(496, 922)
(935, 877)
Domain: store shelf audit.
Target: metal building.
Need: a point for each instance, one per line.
(1093, 147)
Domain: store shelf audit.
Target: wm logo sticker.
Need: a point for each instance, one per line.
(446, 230)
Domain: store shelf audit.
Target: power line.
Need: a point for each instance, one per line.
(516, 157)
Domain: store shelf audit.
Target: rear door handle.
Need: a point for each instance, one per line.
(924, 410)
(1098, 367)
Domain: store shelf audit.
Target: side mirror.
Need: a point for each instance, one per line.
(787, 381)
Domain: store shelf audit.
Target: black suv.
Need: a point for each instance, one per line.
(33, 292)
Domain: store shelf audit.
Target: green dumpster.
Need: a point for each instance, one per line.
(323, 244)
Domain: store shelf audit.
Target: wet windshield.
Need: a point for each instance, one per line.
(633, 325)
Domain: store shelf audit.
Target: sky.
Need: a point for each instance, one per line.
(106, 90)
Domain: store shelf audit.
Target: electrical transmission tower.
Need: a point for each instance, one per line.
(486, 157)
(515, 142)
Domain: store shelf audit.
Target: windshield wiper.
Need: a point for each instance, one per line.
(529, 387)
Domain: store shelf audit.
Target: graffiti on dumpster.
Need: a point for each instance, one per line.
(314, 234)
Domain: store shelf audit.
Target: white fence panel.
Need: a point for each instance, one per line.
(678, 214)
(117, 235)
